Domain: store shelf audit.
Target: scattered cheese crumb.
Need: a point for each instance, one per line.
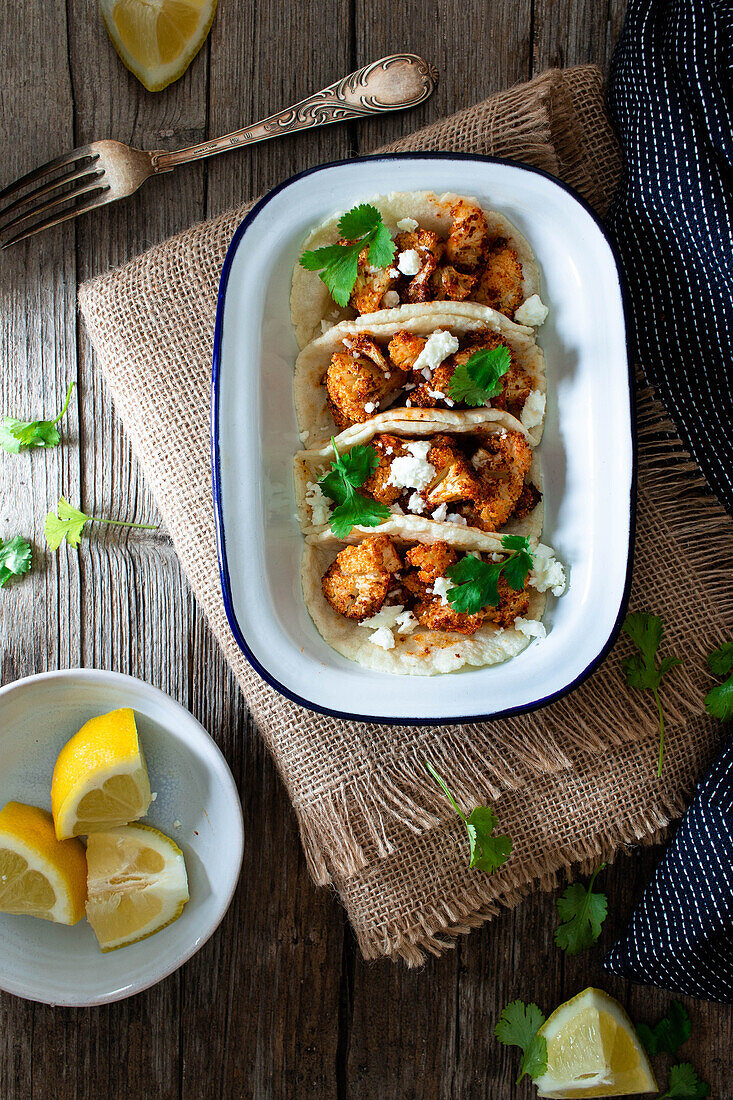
(396, 510)
(531, 628)
(412, 471)
(436, 395)
(407, 225)
(386, 616)
(439, 513)
(534, 409)
(548, 572)
(319, 504)
(455, 517)
(416, 504)
(391, 299)
(371, 406)
(407, 623)
(441, 587)
(409, 262)
(531, 312)
(383, 637)
(304, 436)
(439, 346)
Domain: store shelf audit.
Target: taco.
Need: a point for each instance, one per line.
(362, 367)
(448, 249)
(383, 603)
(447, 475)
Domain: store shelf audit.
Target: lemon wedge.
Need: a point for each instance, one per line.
(593, 1050)
(100, 778)
(158, 39)
(137, 884)
(40, 875)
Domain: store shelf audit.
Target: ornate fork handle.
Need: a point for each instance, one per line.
(390, 84)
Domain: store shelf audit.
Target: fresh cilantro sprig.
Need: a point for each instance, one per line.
(477, 582)
(517, 1027)
(69, 522)
(719, 701)
(347, 473)
(582, 913)
(337, 264)
(683, 1081)
(488, 852)
(478, 380)
(15, 558)
(16, 434)
(641, 669)
(667, 1036)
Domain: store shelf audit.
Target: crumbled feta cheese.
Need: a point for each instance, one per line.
(438, 347)
(439, 513)
(427, 374)
(407, 623)
(408, 403)
(391, 299)
(497, 557)
(456, 517)
(383, 637)
(396, 510)
(326, 325)
(416, 504)
(531, 628)
(409, 262)
(319, 504)
(371, 406)
(304, 437)
(548, 572)
(531, 312)
(441, 587)
(388, 374)
(412, 471)
(534, 409)
(407, 225)
(389, 450)
(409, 386)
(387, 616)
(393, 273)
(436, 395)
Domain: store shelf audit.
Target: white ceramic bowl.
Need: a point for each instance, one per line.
(586, 453)
(64, 966)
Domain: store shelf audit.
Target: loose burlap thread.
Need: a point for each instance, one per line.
(572, 782)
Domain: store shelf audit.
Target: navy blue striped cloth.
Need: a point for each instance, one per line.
(671, 100)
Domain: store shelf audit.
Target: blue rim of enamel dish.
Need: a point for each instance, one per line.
(216, 464)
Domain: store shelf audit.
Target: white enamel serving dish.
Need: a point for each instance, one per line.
(196, 804)
(587, 453)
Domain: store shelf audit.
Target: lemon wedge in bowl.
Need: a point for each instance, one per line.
(100, 779)
(137, 884)
(158, 39)
(593, 1050)
(39, 875)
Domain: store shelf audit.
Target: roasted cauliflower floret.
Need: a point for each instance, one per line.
(500, 278)
(431, 561)
(372, 283)
(429, 248)
(358, 580)
(529, 498)
(502, 463)
(436, 615)
(404, 348)
(357, 377)
(455, 286)
(468, 239)
(511, 605)
(455, 478)
(388, 447)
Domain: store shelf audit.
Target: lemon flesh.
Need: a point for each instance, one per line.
(137, 884)
(40, 876)
(100, 779)
(593, 1050)
(158, 39)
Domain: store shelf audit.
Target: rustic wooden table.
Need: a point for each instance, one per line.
(278, 1004)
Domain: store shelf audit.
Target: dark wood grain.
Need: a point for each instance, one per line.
(278, 1004)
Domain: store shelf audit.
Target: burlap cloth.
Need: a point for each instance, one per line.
(571, 782)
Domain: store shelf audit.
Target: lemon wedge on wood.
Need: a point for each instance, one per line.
(100, 779)
(593, 1050)
(39, 875)
(158, 39)
(137, 884)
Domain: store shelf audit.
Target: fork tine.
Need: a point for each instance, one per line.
(45, 189)
(44, 169)
(57, 219)
(54, 204)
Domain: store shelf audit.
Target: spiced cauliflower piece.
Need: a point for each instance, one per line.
(468, 239)
(455, 478)
(377, 485)
(502, 463)
(500, 282)
(404, 348)
(372, 283)
(357, 582)
(429, 249)
(358, 380)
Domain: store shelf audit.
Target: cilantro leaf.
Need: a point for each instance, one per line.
(721, 660)
(348, 471)
(15, 558)
(337, 264)
(719, 701)
(641, 669)
(517, 1027)
(69, 522)
(581, 912)
(683, 1081)
(16, 434)
(477, 582)
(478, 380)
(669, 1034)
(487, 852)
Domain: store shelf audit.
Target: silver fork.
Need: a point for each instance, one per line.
(105, 171)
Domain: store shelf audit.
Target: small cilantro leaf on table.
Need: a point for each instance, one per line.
(16, 434)
(479, 379)
(667, 1036)
(476, 582)
(719, 701)
(683, 1081)
(15, 558)
(582, 913)
(69, 523)
(347, 473)
(641, 669)
(487, 852)
(337, 265)
(517, 1027)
